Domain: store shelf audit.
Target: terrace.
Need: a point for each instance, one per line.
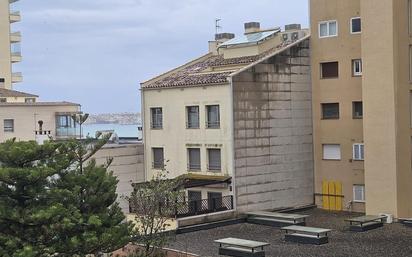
(391, 240)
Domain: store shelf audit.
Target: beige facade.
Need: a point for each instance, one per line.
(9, 45)
(261, 90)
(365, 150)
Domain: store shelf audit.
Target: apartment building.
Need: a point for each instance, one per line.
(22, 115)
(361, 88)
(236, 122)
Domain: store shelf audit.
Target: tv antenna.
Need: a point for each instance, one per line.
(217, 25)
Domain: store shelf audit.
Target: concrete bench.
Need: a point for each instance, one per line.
(241, 248)
(306, 235)
(365, 223)
(406, 222)
(276, 219)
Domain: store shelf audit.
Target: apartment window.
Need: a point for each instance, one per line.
(30, 100)
(157, 118)
(331, 152)
(214, 160)
(330, 111)
(8, 125)
(65, 121)
(3, 100)
(359, 193)
(328, 29)
(357, 67)
(214, 200)
(192, 117)
(358, 152)
(158, 158)
(213, 116)
(194, 159)
(357, 110)
(329, 70)
(355, 25)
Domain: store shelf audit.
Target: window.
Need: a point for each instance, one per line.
(194, 159)
(357, 67)
(214, 160)
(213, 116)
(157, 118)
(359, 193)
(357, 110)
(331, 152)
(330, 111)
(329, 70)
(65, 121)
(192, 117)
(355, 25)
(195, 201)
(328, 29)
(3, 100)
(30, 100)
(9, 125)
(358, 152)
(158, 158)
(410, 16)
(214, 201)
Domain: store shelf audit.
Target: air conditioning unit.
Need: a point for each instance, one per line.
(292, 36)
(389, 217)
(295, 36)
(285, 37)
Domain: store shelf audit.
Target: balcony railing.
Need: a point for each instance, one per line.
(158, 165)
(194, 167)
(16, 77)
(68, 132)
(15, 37)
(15, 17)
(213, 124)
(187, 208)
(214, 167)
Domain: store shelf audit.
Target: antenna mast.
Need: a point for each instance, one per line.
(217, 25)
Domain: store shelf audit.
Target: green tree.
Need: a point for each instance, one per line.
(155, 203)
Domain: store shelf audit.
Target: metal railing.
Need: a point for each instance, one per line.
(158, 165)
(64, 132)
(194, 167)
(214, 167)
(156, 125)
(192, 124)
(213, 124)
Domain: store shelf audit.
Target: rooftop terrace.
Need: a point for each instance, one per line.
(391, 240)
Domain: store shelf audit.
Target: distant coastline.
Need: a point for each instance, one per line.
(114, 118)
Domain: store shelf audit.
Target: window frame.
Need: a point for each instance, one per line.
(354, 116)
(351, 25)
(8, 129)
(189, 164)
(208, 123)
(152, 118)
(214, 170)
(361, 149)
(321, 70)
(3, 100)
(154, 163)
(331, 159)
(329, 118)
(363, 193)
(188, 123)
(328, 28)
(354, 72)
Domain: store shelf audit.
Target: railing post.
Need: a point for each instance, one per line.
(231, 202)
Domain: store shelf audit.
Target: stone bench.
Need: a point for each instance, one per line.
(276, 219)
(365, 223)
(306, 235)
(241, 248)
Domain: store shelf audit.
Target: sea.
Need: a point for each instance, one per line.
(120, 130)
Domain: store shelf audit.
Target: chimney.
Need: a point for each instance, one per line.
(292, 27)
(252, 27)
(223, 37)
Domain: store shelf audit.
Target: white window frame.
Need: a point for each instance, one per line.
(328, 28)
(351, 25)
(354, 72)
(325, 157)
(355, 187)
(361, 150)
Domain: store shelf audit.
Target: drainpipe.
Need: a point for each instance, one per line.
(232, 143)
(142, 117)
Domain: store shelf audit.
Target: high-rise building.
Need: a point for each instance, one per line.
(361, 84)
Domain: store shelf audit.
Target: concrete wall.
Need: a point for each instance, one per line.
(127, 165)
(345, 89)
(273, 132)
(26, 117)
(5, 56)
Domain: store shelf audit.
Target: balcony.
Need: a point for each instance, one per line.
(15, 17)
(12, 1)
(15, 37)
(16, 77)
(16, 57)
(67, 132)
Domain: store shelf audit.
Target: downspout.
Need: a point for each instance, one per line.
(142, 116)
(232, 139)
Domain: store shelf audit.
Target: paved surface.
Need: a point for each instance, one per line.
(391, 240)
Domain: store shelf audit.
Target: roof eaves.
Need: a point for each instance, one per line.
(187, 86)
(268, 56)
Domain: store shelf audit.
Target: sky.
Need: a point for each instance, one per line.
(97, 52)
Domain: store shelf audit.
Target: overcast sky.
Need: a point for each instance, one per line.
(97, 52)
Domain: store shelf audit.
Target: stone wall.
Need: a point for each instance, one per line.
(273, 132)
(127, 165)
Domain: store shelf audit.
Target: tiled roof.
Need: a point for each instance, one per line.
(201, 72)
(41, 104)
(12, 93)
